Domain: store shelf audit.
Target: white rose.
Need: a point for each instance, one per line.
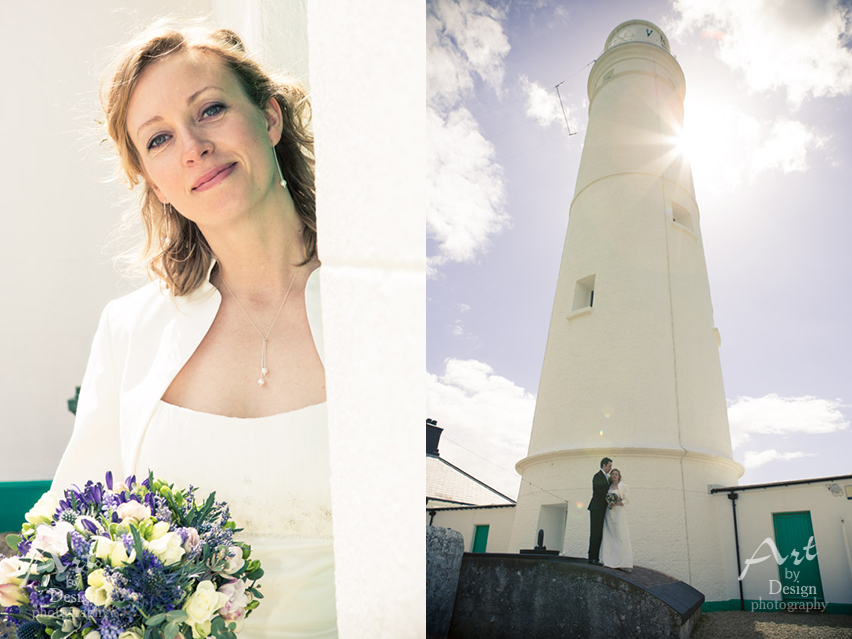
(167, 548)
(12, 570)
(114, 551)
(192, 539)
(99, 591)
(11, 595)
(238, 617)
(133, 510)
(235, 560)
(53, 539)
(44, 509)
(201, 607)
(133, 633)
(235, 591)
(159, 529)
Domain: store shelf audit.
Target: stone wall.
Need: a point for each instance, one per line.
(504, 596)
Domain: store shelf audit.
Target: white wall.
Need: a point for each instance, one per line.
(57, 212)
(368, 78)
(465, 521)
(755, 524)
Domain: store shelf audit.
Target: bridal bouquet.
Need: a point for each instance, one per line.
(611, 499)
(128, 561)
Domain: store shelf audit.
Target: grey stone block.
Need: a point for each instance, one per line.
(503, 596)
(444, 551)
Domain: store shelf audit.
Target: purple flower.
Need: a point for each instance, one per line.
(90, 526)
(109, 479)
(79, 544)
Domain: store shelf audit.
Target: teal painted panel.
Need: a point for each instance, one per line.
(16, 498)
(480, 539)
(800, 582)
(838, 609)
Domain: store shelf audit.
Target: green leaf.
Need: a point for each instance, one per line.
(254, 575)
(48, 622)
(137, 540)
(155, 620)
(178, 616)
(171, 630)
(13, 540)
(46, 566)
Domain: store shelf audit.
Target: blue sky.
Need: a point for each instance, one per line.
(769, 132)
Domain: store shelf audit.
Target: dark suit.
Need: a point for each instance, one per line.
(597, 512)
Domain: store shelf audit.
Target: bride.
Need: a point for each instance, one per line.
(616, 551)
(212, 374)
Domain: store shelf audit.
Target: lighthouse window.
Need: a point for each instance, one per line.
(584, 293)
(681, 216)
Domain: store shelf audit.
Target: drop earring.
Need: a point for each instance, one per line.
(281, 179)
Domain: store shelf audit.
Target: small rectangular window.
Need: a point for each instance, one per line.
(681, 216)
(584, 293)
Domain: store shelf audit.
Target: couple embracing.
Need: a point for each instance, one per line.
(609, 541)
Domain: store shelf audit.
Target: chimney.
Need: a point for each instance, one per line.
(433, 436)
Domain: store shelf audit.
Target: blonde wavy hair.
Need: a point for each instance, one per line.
(174, 249)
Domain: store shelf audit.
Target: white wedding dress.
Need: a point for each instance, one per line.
(274, 474)
(616, 551)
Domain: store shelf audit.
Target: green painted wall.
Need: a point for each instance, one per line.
(16, 498)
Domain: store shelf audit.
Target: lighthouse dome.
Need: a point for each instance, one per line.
(637, 31)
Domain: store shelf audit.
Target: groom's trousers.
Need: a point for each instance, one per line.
(596, 533)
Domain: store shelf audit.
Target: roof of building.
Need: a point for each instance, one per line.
(442, 508)
(447, 483)
(778, 484)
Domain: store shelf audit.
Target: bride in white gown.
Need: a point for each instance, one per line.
(616, 551)
(212, 374)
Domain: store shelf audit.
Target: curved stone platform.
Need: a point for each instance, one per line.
(508, 596)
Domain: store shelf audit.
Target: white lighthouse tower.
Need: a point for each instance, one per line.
(631, 370)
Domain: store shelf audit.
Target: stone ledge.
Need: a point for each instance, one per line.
(507, 596)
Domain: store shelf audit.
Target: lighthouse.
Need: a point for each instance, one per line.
(631, 368)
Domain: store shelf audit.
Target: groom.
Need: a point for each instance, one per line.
(597, 510)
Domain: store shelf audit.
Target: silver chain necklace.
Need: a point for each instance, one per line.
(264, 371)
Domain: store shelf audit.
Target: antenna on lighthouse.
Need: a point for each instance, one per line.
(563, 110)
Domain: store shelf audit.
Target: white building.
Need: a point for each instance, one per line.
(460, 501)
(631, 369)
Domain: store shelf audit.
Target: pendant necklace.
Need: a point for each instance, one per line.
(264, 371)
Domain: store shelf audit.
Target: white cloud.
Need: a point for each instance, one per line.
(485, 413)
(464, 38)
(466, 189)
(785, 147)
(728, 147)
(783, 416)
(799, 46)
(458, 328)
(755, 460)
(543, 105)
(464, 308)
(465, 41)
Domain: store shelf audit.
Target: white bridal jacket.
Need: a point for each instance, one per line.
(142, 342)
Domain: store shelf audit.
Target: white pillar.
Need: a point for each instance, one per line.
(631, 369)
(367, 64)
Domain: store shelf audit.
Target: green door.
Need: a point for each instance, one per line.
(480, 538)
(793, 532)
